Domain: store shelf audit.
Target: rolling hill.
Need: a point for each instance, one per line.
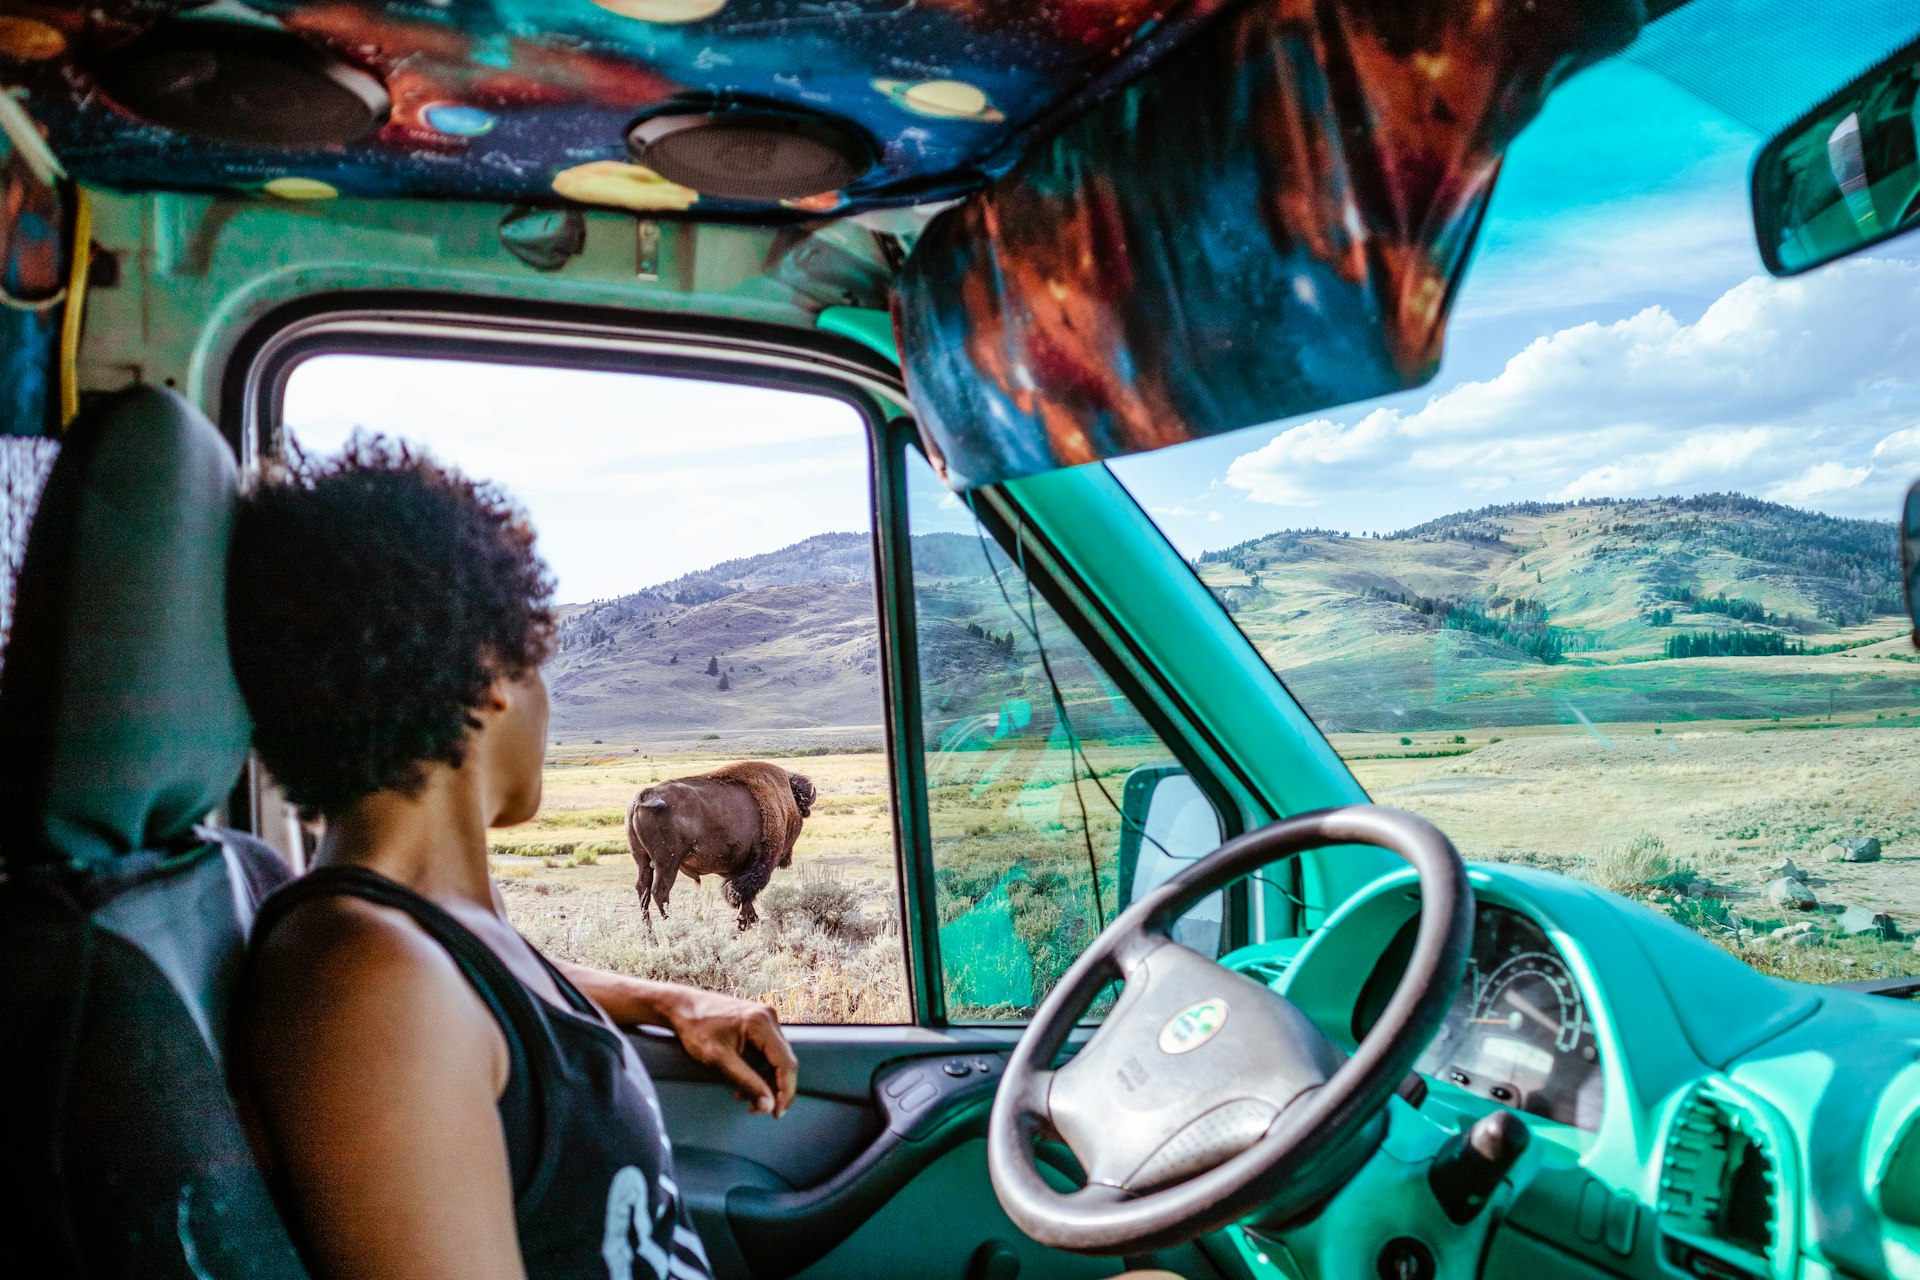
(794, 633)
(1525, 614)
(1540, 613)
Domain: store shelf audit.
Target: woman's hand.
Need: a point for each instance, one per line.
(717, 1031)
(721, 1031)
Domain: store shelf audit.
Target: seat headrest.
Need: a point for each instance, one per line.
(121, 722)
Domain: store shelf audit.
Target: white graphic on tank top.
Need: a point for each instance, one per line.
(629, 1234)
(665, 1247)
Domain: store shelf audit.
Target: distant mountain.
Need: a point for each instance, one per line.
(1526, 612)
(1531, 613)
(795, 634)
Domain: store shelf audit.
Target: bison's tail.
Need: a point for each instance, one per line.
(746, 886)
(650, 802)
(803, 793)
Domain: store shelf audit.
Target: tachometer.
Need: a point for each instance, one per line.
(1533, 997)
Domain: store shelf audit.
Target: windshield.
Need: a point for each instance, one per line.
(1618, 593)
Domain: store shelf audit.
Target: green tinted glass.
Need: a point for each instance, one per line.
(1032, 755)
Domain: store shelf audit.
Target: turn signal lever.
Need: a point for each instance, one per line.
(1471, 1165)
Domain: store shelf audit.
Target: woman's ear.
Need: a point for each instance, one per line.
(497, 697)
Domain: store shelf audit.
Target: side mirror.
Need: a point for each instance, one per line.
(1910, 557)
(1168, 824)
(1844, 176)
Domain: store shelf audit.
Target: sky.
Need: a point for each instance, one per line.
(1615, 336)
(630, 479)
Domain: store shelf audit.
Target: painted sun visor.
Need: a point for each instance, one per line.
(1273, 221)
(34, 214)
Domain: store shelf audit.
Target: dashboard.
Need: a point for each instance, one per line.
(1519, 1031)
(1693, 1116)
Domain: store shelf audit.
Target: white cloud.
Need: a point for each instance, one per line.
(629, 479)
(1176, 510)
(1822, 480)
(1807, 388)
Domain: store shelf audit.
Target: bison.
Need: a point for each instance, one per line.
(738, 822)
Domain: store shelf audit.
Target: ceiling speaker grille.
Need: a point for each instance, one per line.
(244, 83)
(751, 155)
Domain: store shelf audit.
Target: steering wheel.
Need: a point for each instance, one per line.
(1205, 1096)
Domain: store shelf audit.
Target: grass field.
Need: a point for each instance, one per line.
(829, 946)
(1640, 808)
(1708, 801)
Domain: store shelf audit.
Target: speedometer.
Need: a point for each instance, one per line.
(1519, 1031)
(1532, 996)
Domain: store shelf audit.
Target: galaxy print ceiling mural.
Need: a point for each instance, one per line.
(533, 100)
(1273, 221)
(34, 216)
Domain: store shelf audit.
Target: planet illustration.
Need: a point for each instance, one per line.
(26, 40)
(623, 185)
(456, 119)
(942, 99)
(293, 188)
(824, 202)
(663, 10)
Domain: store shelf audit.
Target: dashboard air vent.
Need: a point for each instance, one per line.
(1719, 1183)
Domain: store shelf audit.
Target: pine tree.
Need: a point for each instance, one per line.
(674, 661)
(725, 684)
(713, 666)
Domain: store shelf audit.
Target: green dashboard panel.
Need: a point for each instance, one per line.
(1745, 1127)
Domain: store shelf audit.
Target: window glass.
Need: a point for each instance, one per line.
(24, 464)
(1052, 804)
(712, 545)
(1618, 595)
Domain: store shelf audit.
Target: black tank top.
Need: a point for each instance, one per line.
(593, 1187)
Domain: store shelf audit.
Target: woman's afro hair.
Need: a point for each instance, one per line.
(372, 599)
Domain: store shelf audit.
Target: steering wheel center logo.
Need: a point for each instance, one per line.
(1193, 1026)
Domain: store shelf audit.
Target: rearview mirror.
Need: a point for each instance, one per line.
(1846, 175)
(1910, 557)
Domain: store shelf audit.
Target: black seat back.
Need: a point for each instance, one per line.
(122, 921)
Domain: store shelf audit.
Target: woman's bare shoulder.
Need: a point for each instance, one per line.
(341, 978)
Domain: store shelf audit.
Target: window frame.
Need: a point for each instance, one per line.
(1003, 520)
(422, 325)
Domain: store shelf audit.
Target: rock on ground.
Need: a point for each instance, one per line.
(1867, 920)
(1784, 868)
(1794, 930)
(1853, 849)
(1789, 892)
(1807, 939)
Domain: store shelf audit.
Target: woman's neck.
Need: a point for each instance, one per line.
(434, 842)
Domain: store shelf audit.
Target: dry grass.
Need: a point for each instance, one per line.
(1643, 813)
(1639, 813)
(828, 948)
(832, 957)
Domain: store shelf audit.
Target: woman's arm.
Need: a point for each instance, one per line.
(714, 1029)
(374, 1071)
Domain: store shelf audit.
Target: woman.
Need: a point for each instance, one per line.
(433, 1098)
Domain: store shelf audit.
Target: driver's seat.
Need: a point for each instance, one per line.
(122, 921)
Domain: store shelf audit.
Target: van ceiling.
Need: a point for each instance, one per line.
(532, 100)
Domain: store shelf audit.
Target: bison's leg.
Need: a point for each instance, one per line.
(663, 887)
(748, 916)
(644, 886)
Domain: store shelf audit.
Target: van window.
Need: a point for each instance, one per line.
(1051, 802)
(24, 464)
(713, 549)
(1618, 595)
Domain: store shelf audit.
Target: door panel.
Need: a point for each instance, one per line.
(878, 1169)
(943, 1221)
